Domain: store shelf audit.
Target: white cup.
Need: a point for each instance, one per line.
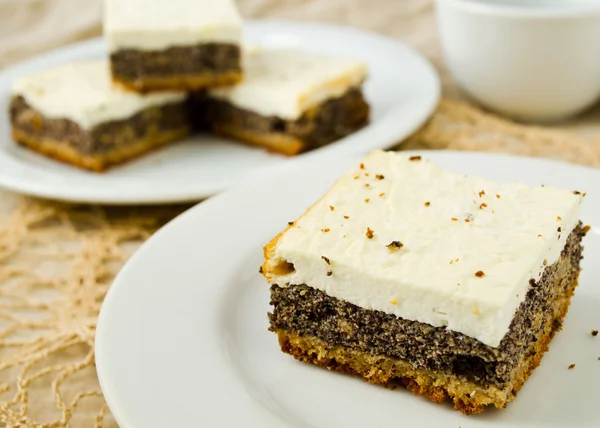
(532, 60)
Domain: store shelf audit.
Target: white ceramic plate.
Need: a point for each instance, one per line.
(402, 88)
(182, 337)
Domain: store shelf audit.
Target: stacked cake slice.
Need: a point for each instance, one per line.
(72, 113)
(405, 273)
(290, 101)
(174, 44)
(179, 65)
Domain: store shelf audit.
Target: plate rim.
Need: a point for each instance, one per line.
(134, 261)
(106, 196)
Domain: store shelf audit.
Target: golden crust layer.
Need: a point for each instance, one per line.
(275, 142)
(468, 397)
(187, 82)
(64, 152)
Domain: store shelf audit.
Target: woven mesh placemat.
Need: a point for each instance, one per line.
(57, 261)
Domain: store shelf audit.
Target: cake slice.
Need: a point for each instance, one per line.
(72, 113)
(173, 45)
(408, 274)
(290, 101)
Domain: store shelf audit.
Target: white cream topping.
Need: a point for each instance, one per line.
(513, 232)
(156, 25)
(83, 92)
(287, 82)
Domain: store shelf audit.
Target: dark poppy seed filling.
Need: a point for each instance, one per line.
(104, 137)
(133, 64)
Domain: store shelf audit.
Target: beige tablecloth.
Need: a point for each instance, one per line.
(57, 261)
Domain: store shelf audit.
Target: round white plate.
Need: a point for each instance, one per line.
(402, 88)
(182, 337)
